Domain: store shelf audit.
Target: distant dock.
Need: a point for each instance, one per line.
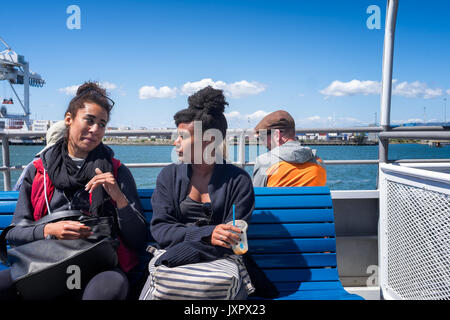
(323, 143)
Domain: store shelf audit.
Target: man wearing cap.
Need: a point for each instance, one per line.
(287, 164)
(54, 133)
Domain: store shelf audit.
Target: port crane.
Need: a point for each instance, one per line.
(16, 71)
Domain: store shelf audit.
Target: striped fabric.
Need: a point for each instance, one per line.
(216, 280)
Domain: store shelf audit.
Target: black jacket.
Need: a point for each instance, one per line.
(132, 224)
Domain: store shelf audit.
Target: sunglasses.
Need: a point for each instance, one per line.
(111, 102)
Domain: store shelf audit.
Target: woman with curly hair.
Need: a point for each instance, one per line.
(79, 172)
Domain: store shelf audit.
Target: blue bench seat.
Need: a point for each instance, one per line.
(291, 238)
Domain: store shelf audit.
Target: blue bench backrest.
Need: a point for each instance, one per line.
(291, 237)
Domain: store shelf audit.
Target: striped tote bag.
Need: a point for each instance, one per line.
(222, 279)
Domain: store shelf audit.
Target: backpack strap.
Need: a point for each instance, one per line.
(42, 190)
(128, 258)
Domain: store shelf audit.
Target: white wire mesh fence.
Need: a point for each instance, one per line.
(414, 234)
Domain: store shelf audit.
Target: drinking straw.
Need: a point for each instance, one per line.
(234, 215)
(234, 223)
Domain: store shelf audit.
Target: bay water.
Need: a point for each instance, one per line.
(339, 177)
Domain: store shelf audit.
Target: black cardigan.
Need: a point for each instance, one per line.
(186, 244)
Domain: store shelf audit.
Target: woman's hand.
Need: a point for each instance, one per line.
(67, 230)
(110, 185)
(223, 236)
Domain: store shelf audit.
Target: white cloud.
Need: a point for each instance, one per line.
(415, 120)
(255, 116)
(448, 92)
(234, 115)
(108, 85)
(243, 88)
(72, 90)
(414, 89)
(151, 92)
(236, 90)
(339, 89)
(192, 87)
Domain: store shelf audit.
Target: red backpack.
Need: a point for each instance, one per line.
(127, 258)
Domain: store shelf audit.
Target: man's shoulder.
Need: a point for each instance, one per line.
(263, 158)
(294, 145)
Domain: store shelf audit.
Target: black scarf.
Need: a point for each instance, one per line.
(66, 176)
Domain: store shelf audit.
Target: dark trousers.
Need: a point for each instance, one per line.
(107, 285)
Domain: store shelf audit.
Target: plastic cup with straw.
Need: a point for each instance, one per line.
(242, 246)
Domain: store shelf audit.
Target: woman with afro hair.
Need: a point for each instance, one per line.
(193, 199)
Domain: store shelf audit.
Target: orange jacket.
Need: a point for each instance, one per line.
(289, 165)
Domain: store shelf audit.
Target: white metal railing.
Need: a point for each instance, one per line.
(414, 231)
(397, 132)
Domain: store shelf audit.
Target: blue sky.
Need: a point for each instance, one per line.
(315, 59)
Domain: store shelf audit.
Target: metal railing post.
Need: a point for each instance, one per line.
(383, 146)
(385, 109)
(6, 163)
(388, 59)
(241, 159)
(386, 83)
(26, 94)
